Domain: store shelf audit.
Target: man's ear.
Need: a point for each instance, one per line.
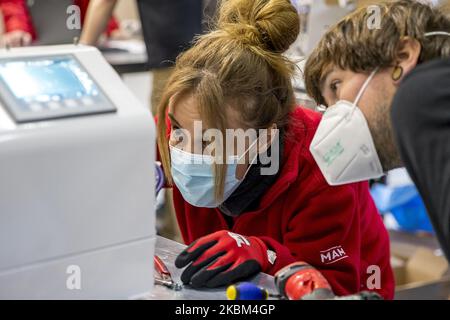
(407, 56)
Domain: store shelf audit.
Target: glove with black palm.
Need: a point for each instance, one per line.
(223, 258)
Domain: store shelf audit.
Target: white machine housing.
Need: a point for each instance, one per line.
(77, 211)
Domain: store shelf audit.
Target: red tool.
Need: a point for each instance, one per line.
(165, 278)
(301, 281)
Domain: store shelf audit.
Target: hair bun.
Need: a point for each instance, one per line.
(272, 24)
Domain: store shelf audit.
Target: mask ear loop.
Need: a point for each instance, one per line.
(243, 155)
(363, 89)
(437, 33)
(254, 158)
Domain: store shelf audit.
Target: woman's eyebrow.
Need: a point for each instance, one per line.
(172, 118)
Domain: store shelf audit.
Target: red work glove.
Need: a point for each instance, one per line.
(223, 258)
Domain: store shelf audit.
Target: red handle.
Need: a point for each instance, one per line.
(160, 267)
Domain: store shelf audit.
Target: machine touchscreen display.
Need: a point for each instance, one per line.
(43, 88)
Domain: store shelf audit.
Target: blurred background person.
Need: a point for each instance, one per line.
(168, 28)
(21, 27)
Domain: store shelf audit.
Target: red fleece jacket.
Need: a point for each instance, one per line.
(338, 230)
(16, 16)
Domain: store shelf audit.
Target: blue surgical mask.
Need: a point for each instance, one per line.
(193, 174)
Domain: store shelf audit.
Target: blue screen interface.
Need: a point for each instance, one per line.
(49, 83)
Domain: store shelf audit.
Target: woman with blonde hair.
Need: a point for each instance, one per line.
(261, 202)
